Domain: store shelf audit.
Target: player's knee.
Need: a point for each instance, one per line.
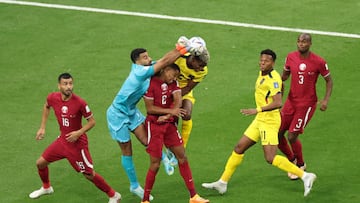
(181, 159)
(238, 149)
(269, 159)
(155, 166)
(89, 176)
(292, 138)
(41, 163)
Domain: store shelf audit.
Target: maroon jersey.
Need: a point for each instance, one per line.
(162, 95)
(304, 74)
(69, 113)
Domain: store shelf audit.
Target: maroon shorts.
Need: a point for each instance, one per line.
(76, 153)
(294, 117)
(160, 134)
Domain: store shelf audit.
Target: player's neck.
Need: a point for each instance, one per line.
(304, 54)
(265, 72)
(65, 97)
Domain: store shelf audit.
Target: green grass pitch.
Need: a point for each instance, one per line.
(37, 44)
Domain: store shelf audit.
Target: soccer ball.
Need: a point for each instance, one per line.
(198, 40)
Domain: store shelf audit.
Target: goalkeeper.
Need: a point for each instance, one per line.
(124, 117)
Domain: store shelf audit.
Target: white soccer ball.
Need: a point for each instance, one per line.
(198, 41)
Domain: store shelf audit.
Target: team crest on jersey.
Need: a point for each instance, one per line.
(276, 85)
(302, 66)
(262, 81)
(164, 87)
(64, 109)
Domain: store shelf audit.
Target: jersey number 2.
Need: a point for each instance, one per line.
(163, 99)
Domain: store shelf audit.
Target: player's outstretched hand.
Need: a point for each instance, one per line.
(183, 45)
(183, 41)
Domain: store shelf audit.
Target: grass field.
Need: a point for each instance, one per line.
(37, 44)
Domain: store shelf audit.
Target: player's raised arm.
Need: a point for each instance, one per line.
(183, 46)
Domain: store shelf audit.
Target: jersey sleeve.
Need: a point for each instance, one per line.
(175, 86)
(276, 85)
(287, 64)
(324, 70)
(85, 110)
(143, 72)
(49, 100)
(149, 94)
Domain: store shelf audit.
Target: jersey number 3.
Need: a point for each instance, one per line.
(301, 79)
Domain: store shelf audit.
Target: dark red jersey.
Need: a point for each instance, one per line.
(162, 95)
(69, 113)
(304, 74)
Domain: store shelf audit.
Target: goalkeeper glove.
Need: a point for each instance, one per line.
(183, 45)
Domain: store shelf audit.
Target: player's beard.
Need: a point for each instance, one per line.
(67, 93)
(303, 50)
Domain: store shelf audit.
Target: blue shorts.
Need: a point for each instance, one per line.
(120, 125)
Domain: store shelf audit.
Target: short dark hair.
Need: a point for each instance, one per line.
(269, 52)
(307, 36)
(174, 66)
(170, 66)
(64, 76)
(135, 54)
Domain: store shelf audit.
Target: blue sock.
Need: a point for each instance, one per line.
(128, 165)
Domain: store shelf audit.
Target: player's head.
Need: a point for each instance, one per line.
(65, 84)
(140, 56)
(170, 73)
(199, 60)
(304, 43)
(267, 60)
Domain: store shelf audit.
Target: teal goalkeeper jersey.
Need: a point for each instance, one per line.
(133, 88)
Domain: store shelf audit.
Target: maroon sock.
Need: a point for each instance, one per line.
(297, 149)
(284, 148)
(44, 176)
(100, 183)
(149, 183)
(185, 172)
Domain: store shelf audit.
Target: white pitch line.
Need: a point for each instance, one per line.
(179, 18)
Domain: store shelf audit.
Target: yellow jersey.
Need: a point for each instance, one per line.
(187, 74)
(265, 88)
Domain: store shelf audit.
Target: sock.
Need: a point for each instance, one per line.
(284, 148)
(149, 182)
(186, 130)
(128, 165)
(100, 183)
(44, 176)
(285, 165)
(231, 165)
(297, 149)
(185, 172)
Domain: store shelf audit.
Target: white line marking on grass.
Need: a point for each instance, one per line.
(198, 20)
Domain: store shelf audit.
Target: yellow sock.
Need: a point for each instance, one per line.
(232, 163)
(285, 165)
(186, 130)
